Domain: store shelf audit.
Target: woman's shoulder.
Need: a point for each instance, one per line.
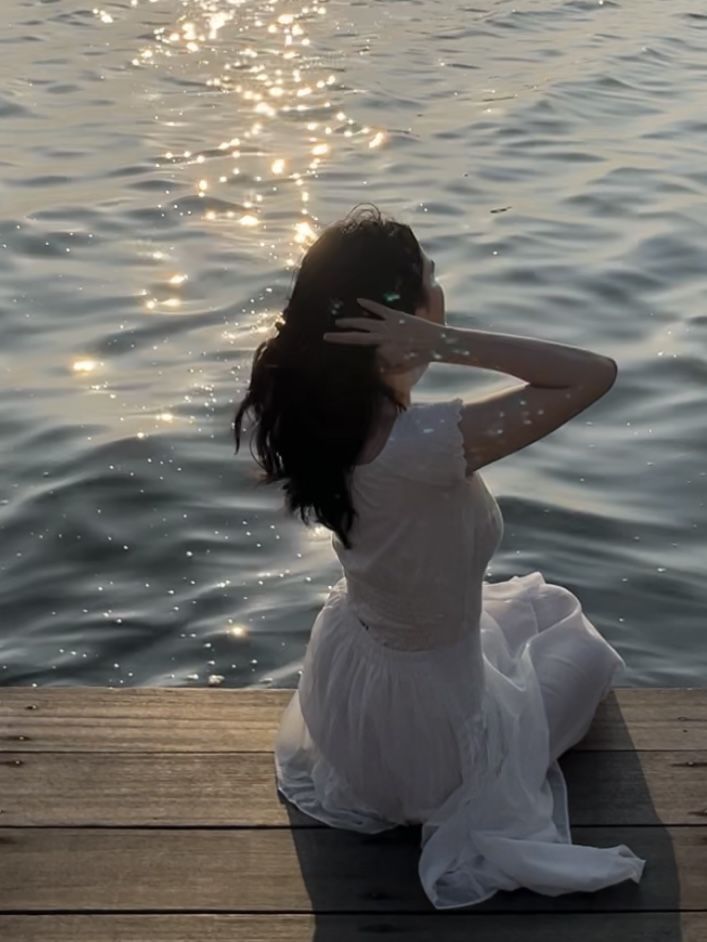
(426, 443)
(440, 412)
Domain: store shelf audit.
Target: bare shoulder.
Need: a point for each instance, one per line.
(513, 417)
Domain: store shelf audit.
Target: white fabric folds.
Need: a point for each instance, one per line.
(454, 725)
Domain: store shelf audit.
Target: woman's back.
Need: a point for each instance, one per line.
(423, 534)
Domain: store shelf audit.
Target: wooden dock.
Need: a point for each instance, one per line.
(147, 815)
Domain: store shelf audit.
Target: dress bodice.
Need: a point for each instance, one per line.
(423, 536)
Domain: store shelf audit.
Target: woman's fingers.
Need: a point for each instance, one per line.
(344, 337)
(365, 323)
(374, 306)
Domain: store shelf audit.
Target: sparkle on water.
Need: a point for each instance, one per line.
(211, 68)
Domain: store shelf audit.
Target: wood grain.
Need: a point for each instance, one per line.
(178, 719)
(437, 927)
(147, 815)
(197, 789)
(305, 870)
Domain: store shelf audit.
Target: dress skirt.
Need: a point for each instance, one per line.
(462, 739)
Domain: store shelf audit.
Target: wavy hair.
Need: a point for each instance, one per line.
(314, 403)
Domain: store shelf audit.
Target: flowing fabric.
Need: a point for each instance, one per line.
(430, 696)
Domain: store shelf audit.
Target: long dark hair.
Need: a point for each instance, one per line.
(314, 402)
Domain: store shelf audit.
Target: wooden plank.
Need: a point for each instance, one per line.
(105, 719)
(183, 789)
(110, 719)
(441, 927)
(646, 718)
(305, 870)
(632, 788)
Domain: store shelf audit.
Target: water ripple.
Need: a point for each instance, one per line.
(166, 164)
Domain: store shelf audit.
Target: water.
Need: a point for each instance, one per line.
(163, 165)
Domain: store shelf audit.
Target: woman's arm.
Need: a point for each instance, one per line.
(542, 363)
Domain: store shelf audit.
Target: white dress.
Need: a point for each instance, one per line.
(428, 696)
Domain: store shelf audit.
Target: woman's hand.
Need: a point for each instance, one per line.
(403, 340)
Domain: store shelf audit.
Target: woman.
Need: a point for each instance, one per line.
(427, 695)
